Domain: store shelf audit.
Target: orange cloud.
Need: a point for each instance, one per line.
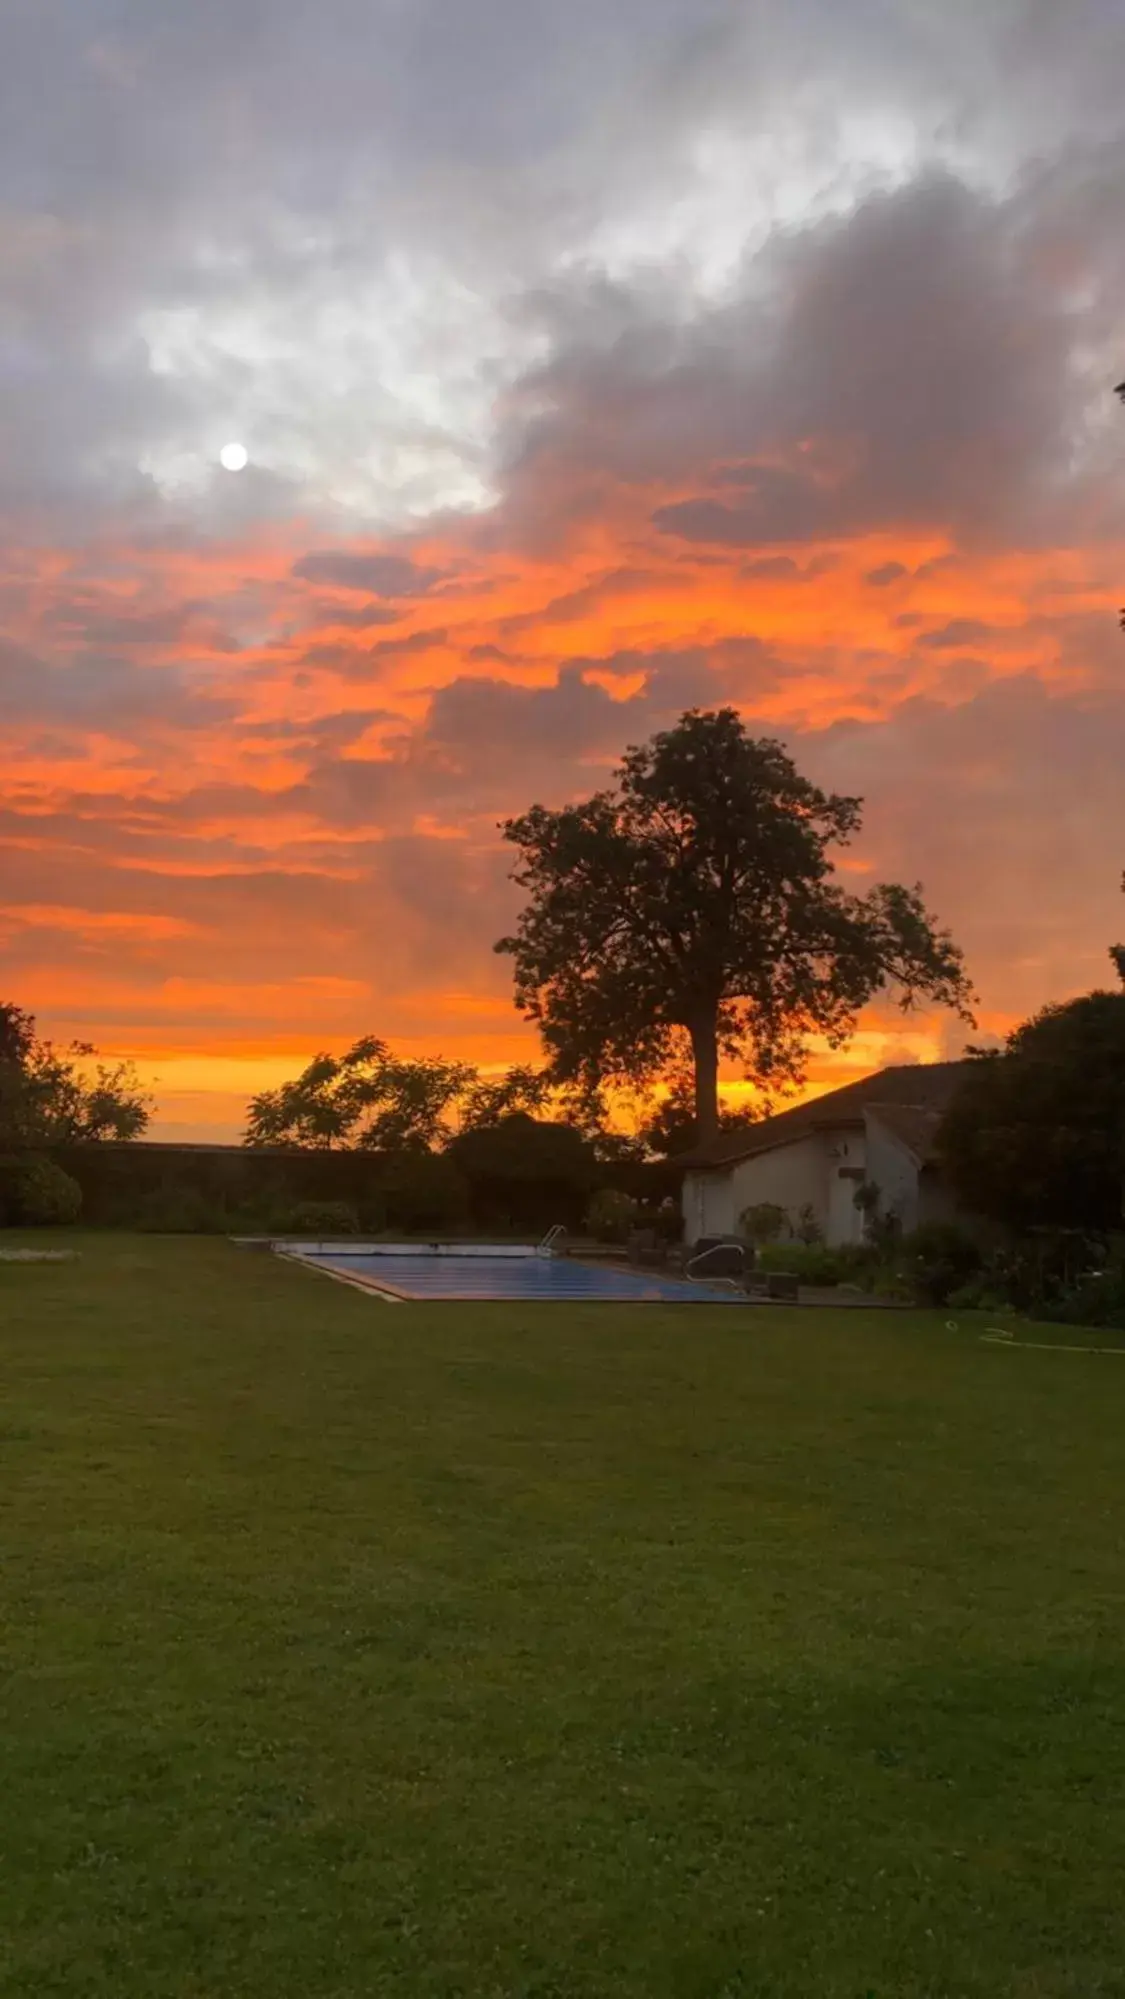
(252, 782)
(239, 777)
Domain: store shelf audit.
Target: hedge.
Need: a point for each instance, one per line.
(237, 1189)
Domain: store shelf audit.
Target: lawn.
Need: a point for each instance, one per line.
(499, 1652)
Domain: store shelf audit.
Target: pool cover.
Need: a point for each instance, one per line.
(530, 1277)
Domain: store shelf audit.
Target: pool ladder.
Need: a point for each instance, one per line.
(696, 1266)
(547, 1246)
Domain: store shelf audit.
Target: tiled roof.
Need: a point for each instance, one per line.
(918, 1087)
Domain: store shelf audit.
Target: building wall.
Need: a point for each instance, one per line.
(708, 1205)
(845, 1167)
(792, 1177)
(822, 1171)
(803, 1174)
(894, 1171)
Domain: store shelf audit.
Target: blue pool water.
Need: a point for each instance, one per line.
(528, 1277)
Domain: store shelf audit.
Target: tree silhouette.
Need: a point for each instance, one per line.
(366, 1098)
(62, 1096)
(1035, 1136)
(696, 897)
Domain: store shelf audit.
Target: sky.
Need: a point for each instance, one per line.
(593, 363)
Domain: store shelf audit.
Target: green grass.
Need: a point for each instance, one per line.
(522, 1652)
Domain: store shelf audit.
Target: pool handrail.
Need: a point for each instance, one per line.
(696, 1265)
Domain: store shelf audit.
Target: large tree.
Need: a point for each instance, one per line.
(695, 896)
(62, 1096)
(670, 1127)
(1035, 1137)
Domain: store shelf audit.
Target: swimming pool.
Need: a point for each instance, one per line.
(482, 1271)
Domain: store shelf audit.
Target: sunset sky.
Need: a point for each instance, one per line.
(594, 361)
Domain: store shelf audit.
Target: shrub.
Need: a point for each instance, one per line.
(1098, 1301)
(937, 1260)
(35, 1193)
(763, 1223)
(816, 1263)
(808, 1229)
(611, 1215)
(882, 1227)
(980, 1294)
(667, 1220)
(1097, 1298)
(886, 1280)
(811, 1262)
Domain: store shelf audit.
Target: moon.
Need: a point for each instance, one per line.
(234, 457)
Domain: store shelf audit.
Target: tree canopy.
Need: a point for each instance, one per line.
(369, 1099)
(366, 1098)
(1035, 1137)
(670, 1127)
(695, 896)
(488, 1100)
(53, 1096)
(518, 1161)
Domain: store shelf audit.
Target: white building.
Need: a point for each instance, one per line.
(811, 1159)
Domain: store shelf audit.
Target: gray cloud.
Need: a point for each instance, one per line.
(956, 633)
(376, 575)
(345, 228)
(324, 611)
(1008, 805)
(92, 689)
(905, 365)
(516, 281)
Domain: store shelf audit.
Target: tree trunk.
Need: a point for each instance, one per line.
(705, 1052)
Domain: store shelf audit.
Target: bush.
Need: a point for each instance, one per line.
(611, 1216)
(35, 1193)
(807, 1228)
(816, 1263)
(1098, 1301)
(667, 1220)
(764, 1223)
(886, 1280)
(980, 1294)
(1097, 1298)
(319, 1218)
(938, 1260)
(811, 1262)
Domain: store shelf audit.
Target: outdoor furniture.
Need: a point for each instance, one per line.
(779, 1286)
(645, 1248)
